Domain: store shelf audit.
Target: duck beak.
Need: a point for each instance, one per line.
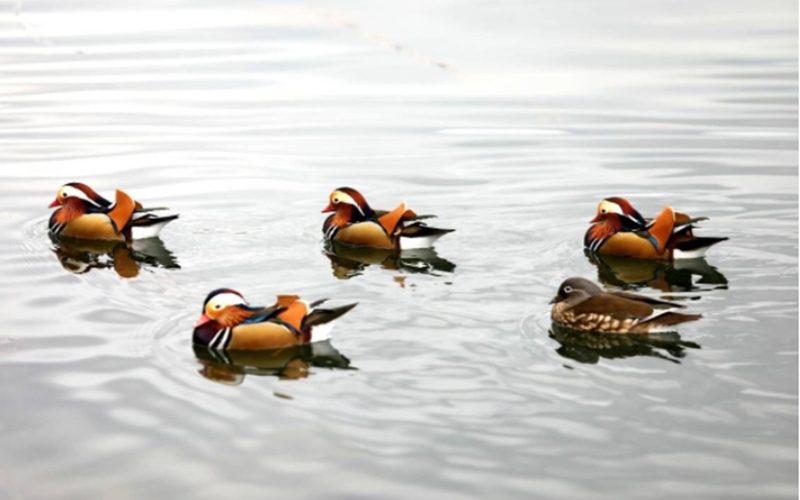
(554, 300)
(596, 219)
(202, 320)
(327, 209)
(54, 204)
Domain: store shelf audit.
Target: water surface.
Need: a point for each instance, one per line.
(510, 121)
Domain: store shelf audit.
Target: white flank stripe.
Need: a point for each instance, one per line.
(418, 243)
(322, 332)
(152, 231)
(691, 254)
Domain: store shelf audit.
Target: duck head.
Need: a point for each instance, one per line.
(575, 290)
(225, 307)
(349, 206)
(621, 208)
(77, 193)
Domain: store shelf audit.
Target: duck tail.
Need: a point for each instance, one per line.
(664, 320)
(322, 316)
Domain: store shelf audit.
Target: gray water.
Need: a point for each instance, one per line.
(510, 120)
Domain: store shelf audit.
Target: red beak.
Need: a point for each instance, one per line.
(202, 320)
(596, 219)
(54, 204)
(329, 208)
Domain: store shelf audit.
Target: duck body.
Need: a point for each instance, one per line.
(618, 229)
(83, 214)
(582, 305)
(355, 223)
(228, 322)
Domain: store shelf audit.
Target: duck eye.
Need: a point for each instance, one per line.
(336, 200)
(64, 194)
(567, 289)
(218, 306)
(603, 210)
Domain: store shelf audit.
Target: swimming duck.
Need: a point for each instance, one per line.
(84, 214)
(228, 322)
(619, 229)
(355, 223)
(584, 306)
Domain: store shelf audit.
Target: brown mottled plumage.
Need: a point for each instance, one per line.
(582, 305)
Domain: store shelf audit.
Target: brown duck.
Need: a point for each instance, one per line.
(584, 306)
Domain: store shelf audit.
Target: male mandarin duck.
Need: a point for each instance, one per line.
(582, 305)
(355, 223)
(228, 322)
(84, 214)
(618, 229)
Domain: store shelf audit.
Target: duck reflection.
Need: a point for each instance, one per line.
(349, 261)
(81, 256)
(290, 363)
(665, 276)
(589, 347)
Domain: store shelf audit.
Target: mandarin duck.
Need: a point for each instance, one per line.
(618, 229)
(581, 305)
(84, 214)
(355, 223)
(228, 322)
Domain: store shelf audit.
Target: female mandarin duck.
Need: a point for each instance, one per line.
(582, 305)
(618, 229)
(355, 223)
(228, 322)
(84, 214)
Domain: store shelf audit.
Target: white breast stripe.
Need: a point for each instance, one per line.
(596, 244)
(216, 338)
(331, 231)
(226, 339)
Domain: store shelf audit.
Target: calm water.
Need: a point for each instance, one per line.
(509, 120)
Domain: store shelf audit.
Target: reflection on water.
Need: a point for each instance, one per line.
(349, 261)
(81, 256)
(290, 363)
(663, 275)
(588, 347)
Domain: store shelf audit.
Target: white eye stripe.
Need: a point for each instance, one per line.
(226, 299)
(610, 207)
(567, 289)
(346, 198)
(69, 191)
